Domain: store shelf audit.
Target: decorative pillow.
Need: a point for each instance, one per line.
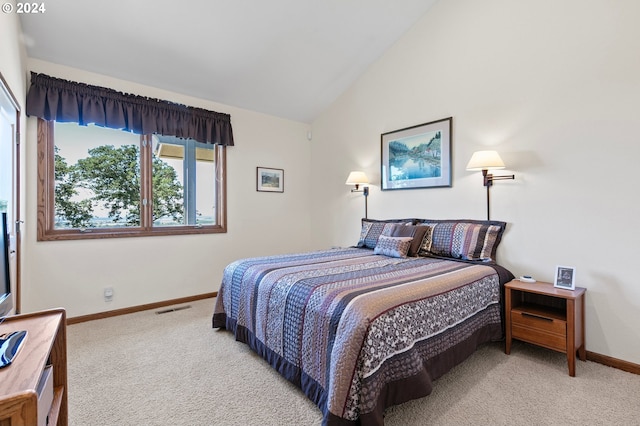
(416, 232)
(393, 246)
(372, 229)
(462, 239)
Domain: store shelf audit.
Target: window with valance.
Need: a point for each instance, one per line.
(112, 164)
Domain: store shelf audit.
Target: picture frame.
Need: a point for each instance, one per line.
(269, 180)
(417, 156)
(565, 277)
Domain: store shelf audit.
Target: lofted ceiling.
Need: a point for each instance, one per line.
(288, 58)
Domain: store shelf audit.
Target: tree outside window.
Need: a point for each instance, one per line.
(101, 182)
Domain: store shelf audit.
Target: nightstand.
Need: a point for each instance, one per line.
(544, 315)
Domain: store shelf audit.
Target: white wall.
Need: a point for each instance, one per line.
(554, 86)
(73, 274)
(12, 55)
(12, 64)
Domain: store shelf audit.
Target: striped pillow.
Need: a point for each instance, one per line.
(466, 240)
(372, 229)
(393, 246)
(415, 232)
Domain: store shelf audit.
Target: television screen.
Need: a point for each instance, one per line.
(6, 301)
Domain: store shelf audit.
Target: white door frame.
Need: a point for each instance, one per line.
(10, 171)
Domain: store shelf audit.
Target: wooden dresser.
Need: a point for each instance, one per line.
(45, 347)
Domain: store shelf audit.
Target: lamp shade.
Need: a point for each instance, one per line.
(357, 178)
(485, 160)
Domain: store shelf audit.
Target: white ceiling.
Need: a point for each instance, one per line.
(289, 58)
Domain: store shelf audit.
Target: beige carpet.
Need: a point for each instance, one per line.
(174, 369)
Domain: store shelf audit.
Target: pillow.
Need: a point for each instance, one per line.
(417, 233)
(462, 239)
(372, 229)
(393, 246)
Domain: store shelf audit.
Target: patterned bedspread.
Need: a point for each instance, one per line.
(359, 332)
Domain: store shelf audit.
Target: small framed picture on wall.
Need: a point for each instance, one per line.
(269, 180)
(565, 277)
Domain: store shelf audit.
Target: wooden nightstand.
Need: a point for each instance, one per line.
(547, 316)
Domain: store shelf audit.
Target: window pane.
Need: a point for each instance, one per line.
(97, 177)
(205, 186)
(168, 181)
(183, 168)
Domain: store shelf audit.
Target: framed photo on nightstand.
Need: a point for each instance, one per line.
(565, 277)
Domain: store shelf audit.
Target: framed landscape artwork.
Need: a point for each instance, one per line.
(417, 156)
(269, 180)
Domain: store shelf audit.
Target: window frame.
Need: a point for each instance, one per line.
(46, 230)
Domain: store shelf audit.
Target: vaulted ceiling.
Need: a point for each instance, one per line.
(288, 58)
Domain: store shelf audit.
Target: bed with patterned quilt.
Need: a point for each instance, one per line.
(362, 328)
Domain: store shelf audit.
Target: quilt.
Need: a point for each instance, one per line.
(359, 332)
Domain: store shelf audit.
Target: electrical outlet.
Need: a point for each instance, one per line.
(108, 294)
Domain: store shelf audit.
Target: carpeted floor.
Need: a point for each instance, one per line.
(174, 369)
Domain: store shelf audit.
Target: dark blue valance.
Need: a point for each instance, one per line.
(55, 99)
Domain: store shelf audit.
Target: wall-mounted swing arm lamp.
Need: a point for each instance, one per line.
(485, 161)
(357, 179)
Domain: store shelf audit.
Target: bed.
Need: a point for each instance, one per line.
(362, 328)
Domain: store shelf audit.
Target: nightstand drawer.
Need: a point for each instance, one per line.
(542, 322)
(549, 332)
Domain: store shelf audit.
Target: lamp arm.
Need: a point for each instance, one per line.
(489, 178)
(364, 190)
(504, 177)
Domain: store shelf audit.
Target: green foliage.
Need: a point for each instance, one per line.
(77, 213)
(397, 149)
(429, 152)
(113, 175)
(112, 178)
(167, 192)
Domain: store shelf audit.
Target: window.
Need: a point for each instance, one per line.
(191, 165)
(96, 182)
